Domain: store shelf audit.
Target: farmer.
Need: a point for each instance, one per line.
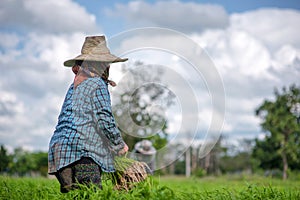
(145, 152)
(86, 138)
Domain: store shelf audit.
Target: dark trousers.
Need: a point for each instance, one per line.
(85, 171)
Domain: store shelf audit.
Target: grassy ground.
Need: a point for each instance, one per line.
(234, 187)
(157, 188)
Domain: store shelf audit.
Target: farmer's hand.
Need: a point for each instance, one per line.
(123, 151)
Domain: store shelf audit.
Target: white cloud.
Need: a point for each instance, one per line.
(9, 106)
(274, 27)
(233, 49)
(36, 38)
(285, 56)
(33, 86)
(256, 53)
(46, 16)
(181, 16)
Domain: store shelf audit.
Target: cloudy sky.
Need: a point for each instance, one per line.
(254, 45)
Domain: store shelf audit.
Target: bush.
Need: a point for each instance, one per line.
(199, 173)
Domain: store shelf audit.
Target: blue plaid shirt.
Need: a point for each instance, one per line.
(86, 128)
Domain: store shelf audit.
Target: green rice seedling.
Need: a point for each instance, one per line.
(162, 188)
(128, 173)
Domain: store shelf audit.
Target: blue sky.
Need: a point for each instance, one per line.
(115, 25)
(231, 6)
(254, 45)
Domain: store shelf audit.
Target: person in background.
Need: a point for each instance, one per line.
(145, 152)
(86, 137)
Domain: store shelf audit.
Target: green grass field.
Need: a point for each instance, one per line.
(157, 188)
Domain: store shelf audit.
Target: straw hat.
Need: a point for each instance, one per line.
(94, 49)
(145, 147)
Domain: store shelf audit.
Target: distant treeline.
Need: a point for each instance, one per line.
(23, 163)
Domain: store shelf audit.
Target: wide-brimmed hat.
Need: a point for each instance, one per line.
(145, 147)
(94, 49)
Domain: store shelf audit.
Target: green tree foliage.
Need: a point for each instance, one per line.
(179, 167)
(4, 159)
(280, 121)
(135, 105)
(22, 162)
(264, 153)
(41, 162)
(236, 158)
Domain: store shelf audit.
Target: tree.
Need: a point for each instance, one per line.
(41, 162)
(28, 163)
(22, 163)
(139, 105)
(266, 152)
(280, 122)
(211, 162)
(237, 158)
(4, 158)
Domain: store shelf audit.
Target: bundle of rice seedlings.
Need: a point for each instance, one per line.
(128, 173)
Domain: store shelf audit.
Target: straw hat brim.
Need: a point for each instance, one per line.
(109, 58)
(151, 151)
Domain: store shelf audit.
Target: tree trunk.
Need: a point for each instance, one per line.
(283, 154)
(194, 159)
(285, 165)
(207, 162)
(172, 168)
(188, 163)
